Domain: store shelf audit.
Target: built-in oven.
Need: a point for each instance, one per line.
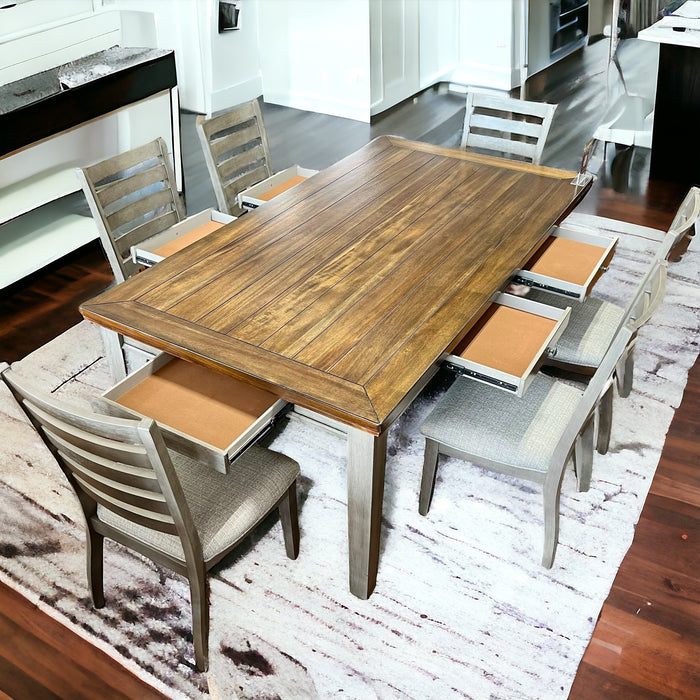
(568, 26)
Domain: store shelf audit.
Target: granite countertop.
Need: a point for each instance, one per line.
(48, 83)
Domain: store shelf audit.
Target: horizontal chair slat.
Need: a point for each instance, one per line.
(112, 166)
(509, 126)
(504, 145)
(113, 191)
(155, 521)
(154, 201)
(236, 139)
(107, 466)
(148, 501)
(112, 447)
(500, 103)
(241, 161)
(235, 186)
(235, 116)
(140, 233)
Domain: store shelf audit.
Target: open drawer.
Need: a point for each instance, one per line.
(256, 195)
(178, 236)
(506, 345)
(202, 413)
(569, 263)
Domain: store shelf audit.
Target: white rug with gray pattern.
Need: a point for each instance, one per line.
(462, 607)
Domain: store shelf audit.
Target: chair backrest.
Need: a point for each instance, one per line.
(685, 219)
(506, 126)
(647, 297)
(236, 152)
(119, 463)
(132, 197)
(590, 397)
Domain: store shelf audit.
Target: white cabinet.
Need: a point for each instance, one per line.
(53, 120)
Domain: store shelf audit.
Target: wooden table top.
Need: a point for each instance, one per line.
(343, 292)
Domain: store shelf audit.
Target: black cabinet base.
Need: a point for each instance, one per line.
(675, 150)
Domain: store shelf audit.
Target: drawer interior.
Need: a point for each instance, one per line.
(506, 345)
(566, 259)
(180, 242)
(212, 407)
(569, 262)
(282, 187)
(506, 339)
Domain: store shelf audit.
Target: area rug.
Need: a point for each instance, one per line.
(462, 607)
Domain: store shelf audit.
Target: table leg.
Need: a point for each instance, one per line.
(366, 462)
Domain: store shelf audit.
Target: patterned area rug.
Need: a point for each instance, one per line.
(462, 607)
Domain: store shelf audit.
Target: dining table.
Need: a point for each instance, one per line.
(344, 294)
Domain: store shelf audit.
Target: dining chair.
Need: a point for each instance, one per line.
(672, 243)
(531, 438)
(236, 152)
(502, 124)
(132, 197)
(592, 327)
(593, 323)
(173, 510)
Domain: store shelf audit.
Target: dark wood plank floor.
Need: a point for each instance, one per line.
(647, 640)
(646, 643)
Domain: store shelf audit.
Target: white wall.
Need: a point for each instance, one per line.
(235, 60)
(215, 71)
(394, 52)
(439, 39)
(489, 38)
(314, 55)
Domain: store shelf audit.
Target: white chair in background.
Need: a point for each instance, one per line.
(504, 125)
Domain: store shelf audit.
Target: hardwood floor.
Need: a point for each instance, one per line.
(647, 641)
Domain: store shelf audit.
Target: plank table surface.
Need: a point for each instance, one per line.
(343, 294)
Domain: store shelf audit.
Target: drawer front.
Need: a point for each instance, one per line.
(507, 346)
(569, 263)
(262, 192)
(189, 230)
(214, 425)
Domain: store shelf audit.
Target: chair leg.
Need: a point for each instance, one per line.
(114, 350)
(625, 373)
(551, 491)
(605, 410)
(583, 456)
(290, 521)
(94, 542)
(427, 485)
(200, 617)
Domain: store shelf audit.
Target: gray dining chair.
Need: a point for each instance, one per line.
(504, 125)
(236, 152)
(672, 242)
(531, 438)
(172, 509)
(592, 327)
(132, 197)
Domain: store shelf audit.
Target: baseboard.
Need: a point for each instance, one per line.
(316, 103)
(234, 95)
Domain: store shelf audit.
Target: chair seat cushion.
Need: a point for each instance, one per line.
(484, 422)
(223, 506)
(591, 328)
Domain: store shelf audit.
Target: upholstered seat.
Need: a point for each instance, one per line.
(590, 330)
(527, 429)
(222, 507)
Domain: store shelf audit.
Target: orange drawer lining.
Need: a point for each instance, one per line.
(194, 400)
